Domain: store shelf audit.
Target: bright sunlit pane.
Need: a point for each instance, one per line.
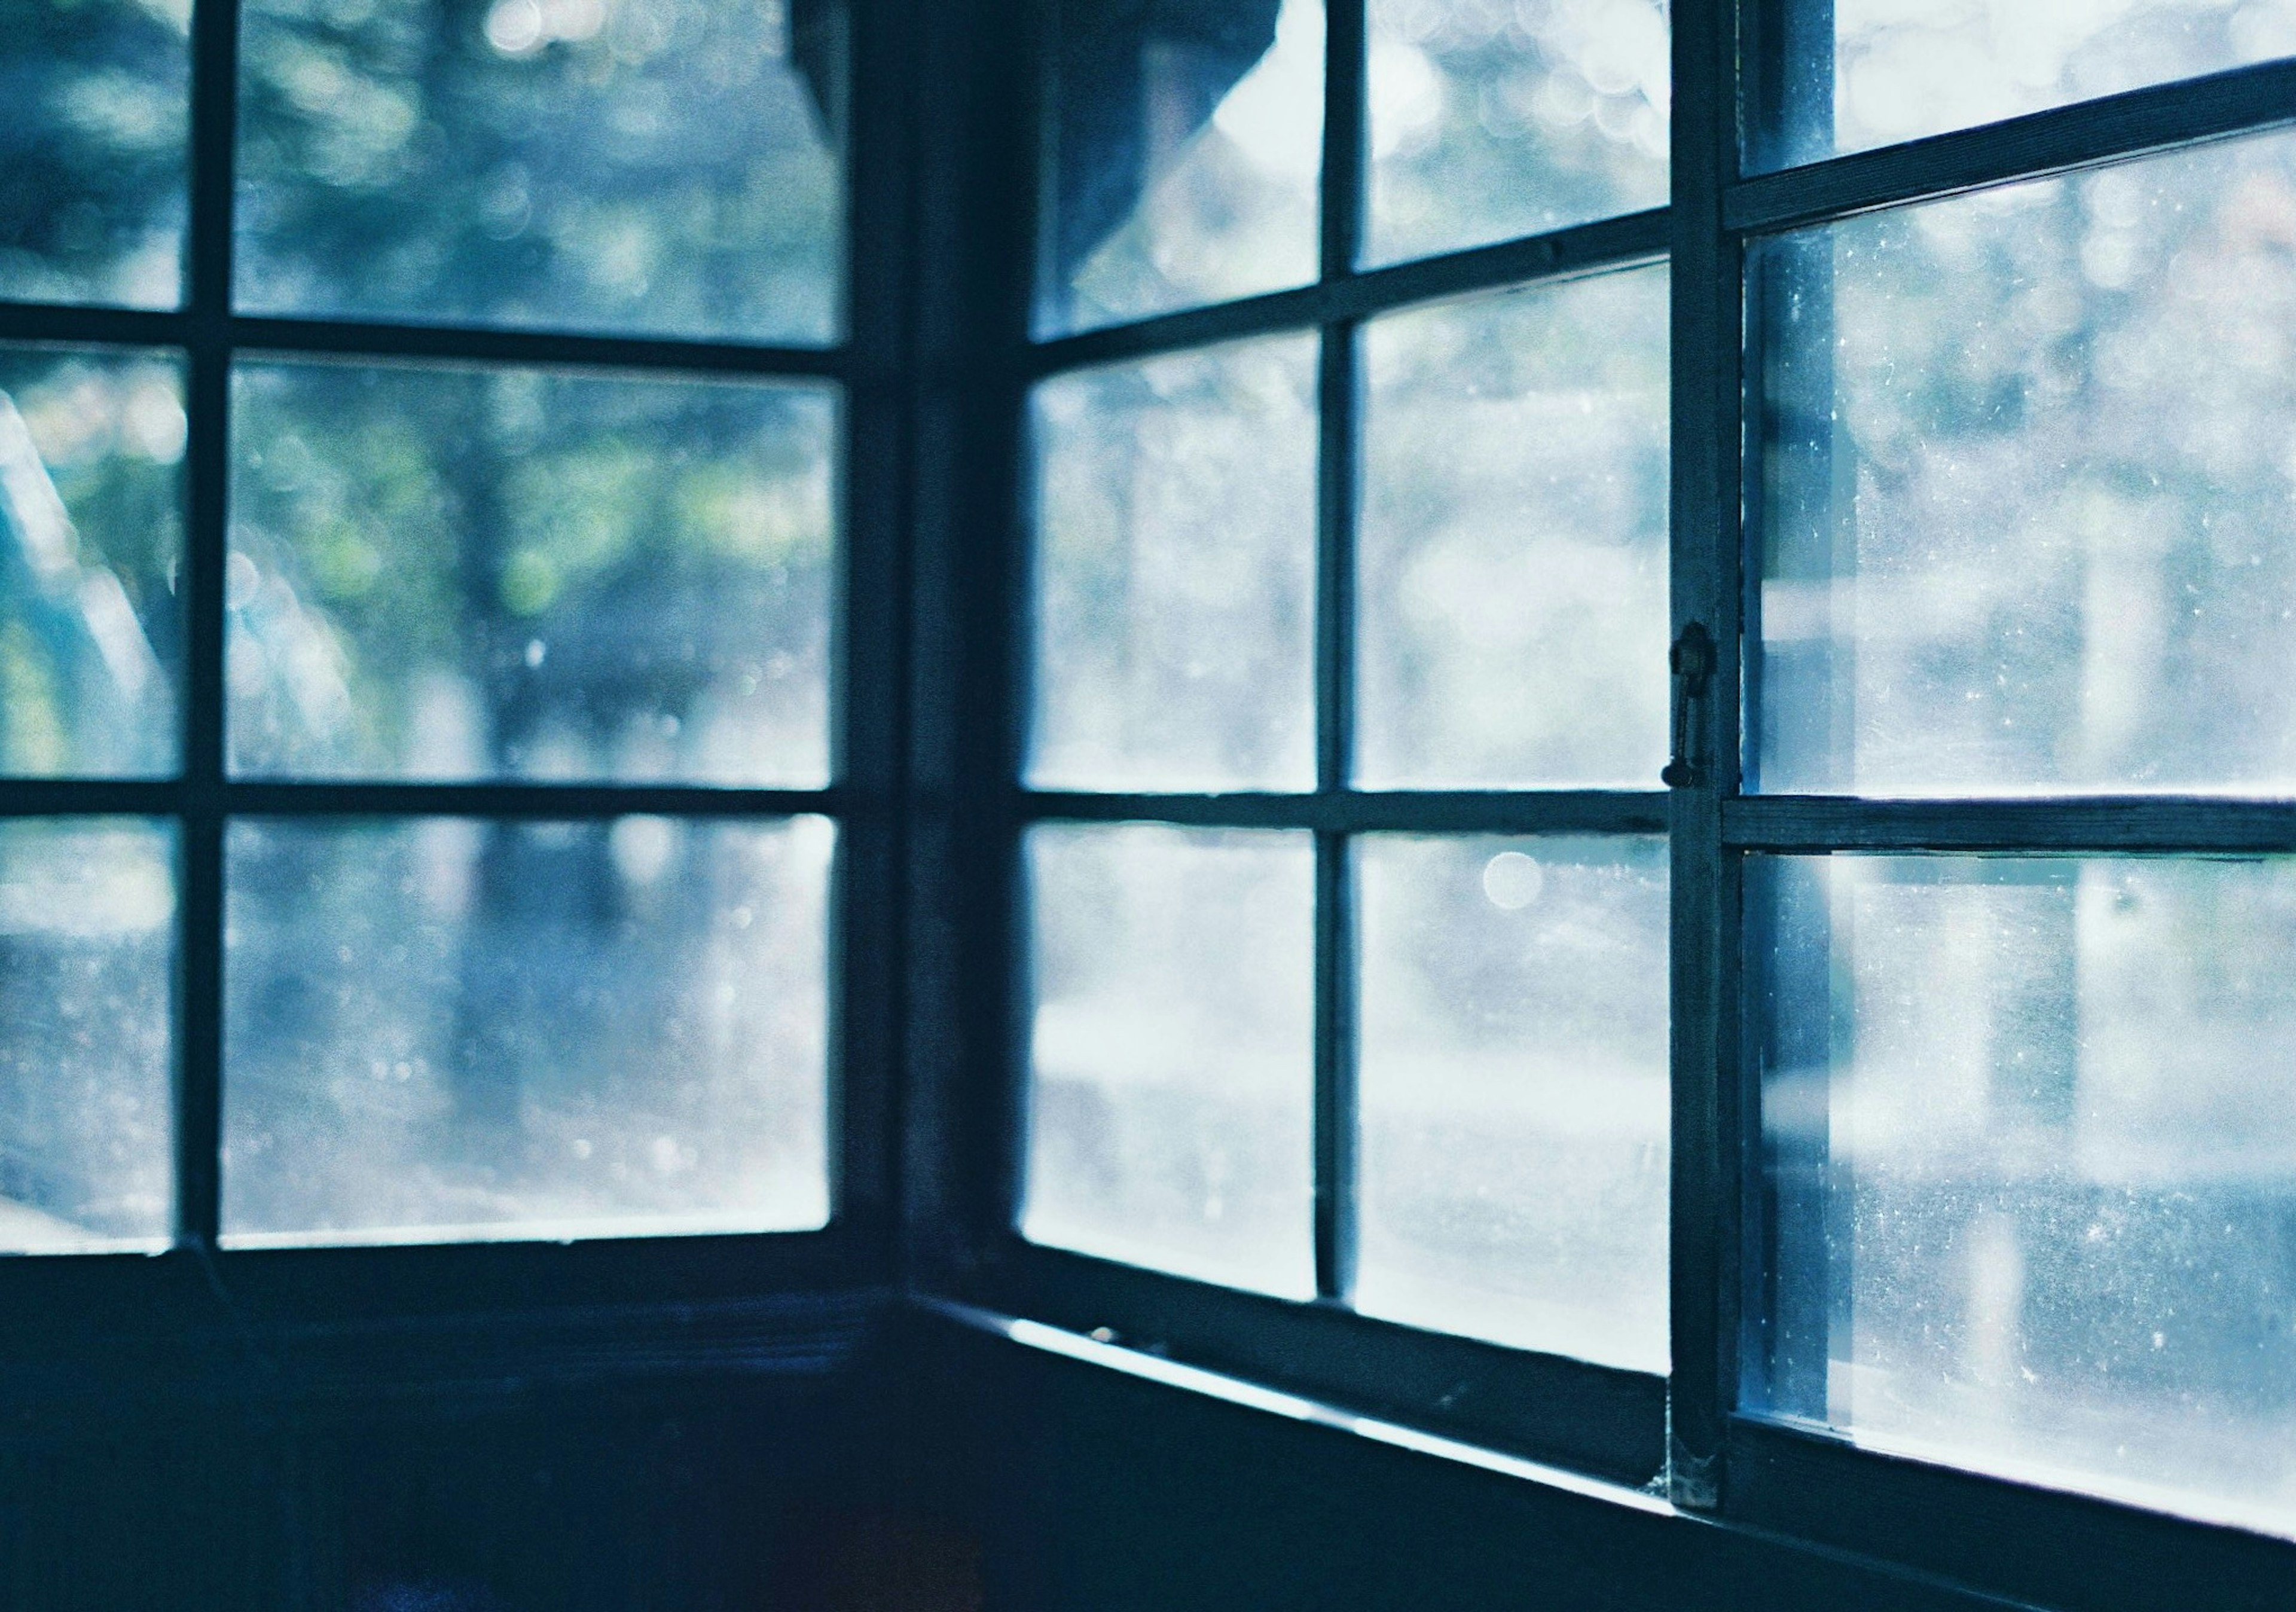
(1901, 68)
(620, 165)
(2031, 508)
(94, 173)
(441, 573)
(450, 1030)
(1511, 1150)
(86, 948)
(2029, 1129)
(91, 531)
(1184, 144)
(1489, 121)
(1175, 572)
(1512, 602)
(1172, 1066)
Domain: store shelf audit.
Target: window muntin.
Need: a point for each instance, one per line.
(2027, 490)
(2029, 1144)
(87, 912)
(1510, 596)
(1490, 121)
(1899, 71)
(1182, 154)
(93, 193)
(447, 573)
(595, 165)
(91, 513)
(441, 1029)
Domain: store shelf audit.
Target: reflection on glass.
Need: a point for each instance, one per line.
(86, 949)
(1489, 121)
(94, 175)
(1184, 146)
(448, 1030)
(1175, 572)
(2030, 1131)
(91, 530)
(1512, 1155)
(609, 165)
(441, 573)
(1899, 70)
(1511, 603)
(1172, 1060)
(2027, 488)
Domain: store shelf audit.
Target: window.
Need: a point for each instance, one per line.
(424, 433)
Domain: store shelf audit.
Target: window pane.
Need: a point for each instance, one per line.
(87, 950)
(1172, 1061)
(2029, 1127)
(606, 165)
(1512, 1155)
(1489, 122)
(1511, 603)
(1175, 572)
(446, 1030)
(94, 179)
(441, 573)
(1899, 70)
(2027, 488)
(91, 533)
(1182, 149)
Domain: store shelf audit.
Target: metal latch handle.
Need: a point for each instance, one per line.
(1692, 661)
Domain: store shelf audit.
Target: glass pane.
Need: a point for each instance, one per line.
(2028, 489)
(1183, 148)
(91, 533)
(1175, 572)
(1511, 597)
(1512, 1085)
(1490, 121)
(93, 181)
(1172, 1060)
(607, 165)
(2029, 1127)
(1901, 68)
(448, 1030)
(87, 951)
(443, 573)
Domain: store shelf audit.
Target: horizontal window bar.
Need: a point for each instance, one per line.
(161, 798)
(2081, 135)
(36, 321)
(1359, 811)
(1584, 249)
(1802, 822)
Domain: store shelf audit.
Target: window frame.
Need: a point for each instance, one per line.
(1981, 1532)
(691, 1293)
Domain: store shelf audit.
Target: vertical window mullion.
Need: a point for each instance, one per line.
(198, 1007)
(1341, 203)
(1705, 521)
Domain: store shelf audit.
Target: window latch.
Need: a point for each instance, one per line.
(1692, 661)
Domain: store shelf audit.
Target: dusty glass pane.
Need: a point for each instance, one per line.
(1512, 604)
(444, 573)
(86, 949)
(1511, 1090)
(446, 1030)
(1182, 145)
(1895, 70)
(620, 165)
(91, 533)
(1175, 572)
(1489, 121)
(1172, 1067)
(2030, 1131)
(94, 175)
(2028, 489)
